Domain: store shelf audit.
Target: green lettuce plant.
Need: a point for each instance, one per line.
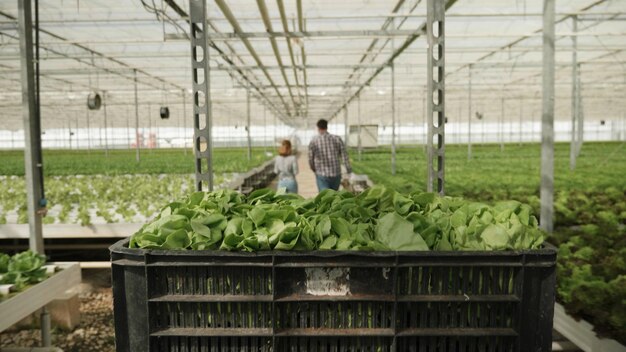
(377, 219)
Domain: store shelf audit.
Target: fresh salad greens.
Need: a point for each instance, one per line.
(378, 219)
(22, 269)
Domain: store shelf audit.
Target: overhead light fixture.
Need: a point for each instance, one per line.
(71, 95)
(323, 93)
(381, 92)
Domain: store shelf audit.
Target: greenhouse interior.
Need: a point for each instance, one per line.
(313, 175)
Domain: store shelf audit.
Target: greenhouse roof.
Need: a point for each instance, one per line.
(334, 51)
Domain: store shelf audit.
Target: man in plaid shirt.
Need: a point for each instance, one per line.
(325, 151)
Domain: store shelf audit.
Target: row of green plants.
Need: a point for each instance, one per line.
(123, 162)
(379, 219)
(84, 199)
(84, 187)
(589, 204)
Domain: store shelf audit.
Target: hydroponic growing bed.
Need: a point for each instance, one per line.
(29, 295)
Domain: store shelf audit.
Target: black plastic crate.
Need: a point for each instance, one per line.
(196, 301)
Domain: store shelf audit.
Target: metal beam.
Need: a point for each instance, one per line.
(303, 58)
(106, 134)
(159, 54)
(373, 43)
(521, 116)
(524, 37)
(283, 20)
(393, 112)
(387, 62)
(345, 126)
(358, 119)
(507, 65)
(573, 144)
(201, 83)
(581, 114)
(93, 52)
(247, 80)
(547, 124)
(307, 34)
(233, 22)
(137, 144)
(435, 19)
(469, 113)
(373, 17)
(501, 124)
(33, 164)
(249, 139)
(269, 29)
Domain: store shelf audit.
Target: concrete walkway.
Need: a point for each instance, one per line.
(305, 178)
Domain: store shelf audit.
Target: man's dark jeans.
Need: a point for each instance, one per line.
(331, 182)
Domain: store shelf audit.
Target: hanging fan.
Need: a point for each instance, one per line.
(94, 101)
(164, 112)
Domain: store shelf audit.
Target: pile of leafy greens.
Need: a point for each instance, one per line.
(22, 269)
(378, 219)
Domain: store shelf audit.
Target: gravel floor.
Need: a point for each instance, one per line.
(95, 333)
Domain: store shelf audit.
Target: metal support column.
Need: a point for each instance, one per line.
(581, 113)
(501, 125)
(137, 139)
(106, 135)
(88, 133)
(358, 119)
(274, 129)
(482, 131)
(128, 137)
(393, 121)
(149, 144)
(248, 124)
(69, 134)
(399, 123)
(435, 27)
(44, 316)
(202, 112)
(574, 142)
(547, 123)
(46, 327)
(184, 122)
(264, 130)
(32, 129)
(469, 113)
(393, 109)
(521, 115)
(424, 112)
(623, 126)
(345, 125)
